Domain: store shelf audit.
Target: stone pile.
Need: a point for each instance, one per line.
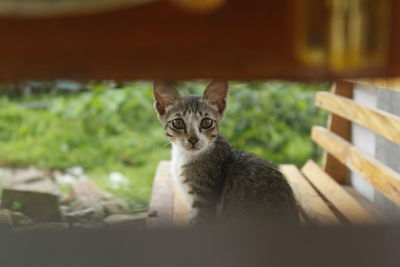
(31, 200)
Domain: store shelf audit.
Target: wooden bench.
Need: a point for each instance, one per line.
(323, 194)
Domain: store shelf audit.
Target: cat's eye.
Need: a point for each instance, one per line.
(206, 123)
(178, 124)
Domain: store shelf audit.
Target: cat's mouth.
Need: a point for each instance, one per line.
(194, 147)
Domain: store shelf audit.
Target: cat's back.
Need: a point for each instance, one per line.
(255, 186)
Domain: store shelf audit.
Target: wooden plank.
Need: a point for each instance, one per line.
(382, 122)
(181, 209)
(311, 203)
(367, 205)
(386, 180)
(243, 39)
(390, 84)
(55, 8)
(341, 127)
(254, 39)
(161, 203)
(333, 192)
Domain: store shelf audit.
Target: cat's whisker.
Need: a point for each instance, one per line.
(168, 143)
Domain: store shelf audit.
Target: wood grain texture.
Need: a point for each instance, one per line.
(336, 195)
(242, 40)
(314, 207)
(383, 178)
(367, 205)
(390, 84)
(162, 200)
(341, 127)
(251, 39)
(181, 208)
(379, 121)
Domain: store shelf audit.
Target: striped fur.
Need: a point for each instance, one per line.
(220, 182)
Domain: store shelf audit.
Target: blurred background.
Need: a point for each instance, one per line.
(108, 132)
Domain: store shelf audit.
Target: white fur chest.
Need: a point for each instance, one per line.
(179, 159)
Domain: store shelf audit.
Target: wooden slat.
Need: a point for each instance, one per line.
(181, 207)
(333, 192)
(367, 205)
(390, 84)
(382, 122)
(385, 179)
(341, 127)
(161, 203)
(312, 204)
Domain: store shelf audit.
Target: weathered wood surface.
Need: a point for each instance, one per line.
(336, 195)
(314, 207)
(162, 199)
(382, 122)
(53, 8)
(384, 179)
(252, 39)
(181, 208)
(367, 205)
(341, 127)
(390, 84)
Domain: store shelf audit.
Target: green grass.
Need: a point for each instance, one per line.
(106, 130)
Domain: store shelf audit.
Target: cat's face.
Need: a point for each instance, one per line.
(191, 122)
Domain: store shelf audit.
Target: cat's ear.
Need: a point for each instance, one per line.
(165, 94)
(216, 94)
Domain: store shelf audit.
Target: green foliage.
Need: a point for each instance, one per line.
(104, 130)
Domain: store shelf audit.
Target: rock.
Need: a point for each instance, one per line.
(23, 176)
(43, 227)
(135, 221)
(42, 186)
(32, 193)
(84, 216)
(115, 206)
(15, 218)
(64, 199)
(88, 226)
(19, 219)
(41, 207)
(90, 215)
(5, 220)
(89, 202)
(30, 180)
(153, 213)
(85, 194)
(65, 210)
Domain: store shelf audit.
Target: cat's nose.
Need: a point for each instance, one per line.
(193, 139)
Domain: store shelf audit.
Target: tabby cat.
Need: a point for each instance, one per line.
(220, 182)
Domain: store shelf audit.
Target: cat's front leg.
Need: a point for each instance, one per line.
(202, 214)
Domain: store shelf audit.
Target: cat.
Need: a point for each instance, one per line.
(220, 182)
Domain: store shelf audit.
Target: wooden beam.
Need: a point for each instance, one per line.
(254, 39)
(316, 210)
(384, 179)
(379, 121)
(341, 127)
(242, 40)
(389, 84)
(161, 203)
(336, 195)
